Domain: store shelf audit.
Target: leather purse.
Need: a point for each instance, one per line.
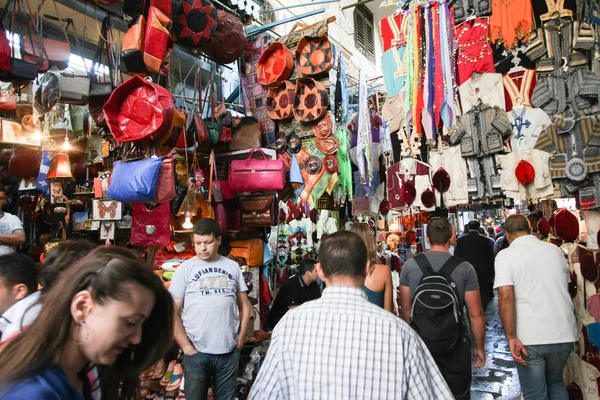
(158, 44)
(257, 211)
(132, 52)
(100, 91)
(5, 51)
(251, 249)
(74, 89)
(57, 52)
(8, 101)
(20, 68)
(135, 181)
(215, 193)
(253, 175)
(165, 189)
(150, 225)
(24, 162)
(176, 131)
(247, 135)
(195, 122)
(138, 109)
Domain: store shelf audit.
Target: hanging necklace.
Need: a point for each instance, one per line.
(519, 122)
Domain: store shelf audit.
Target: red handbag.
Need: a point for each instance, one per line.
(253, 175)
(158, 44)
(163, 5)
(8, 102)
(5, 52)
(150, 225)
(138, 109)
(165, 187)
(24, 162)
(215, 192)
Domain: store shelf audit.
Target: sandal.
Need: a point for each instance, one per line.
(175, 378)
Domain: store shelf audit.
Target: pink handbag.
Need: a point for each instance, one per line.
(215, 191)
(252, 175)
(165, 187)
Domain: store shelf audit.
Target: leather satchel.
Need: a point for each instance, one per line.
(24, 162)
(171, 138)
(252, 250)
(158, 44)
(150, 225)
(132, 52)
(165, 188)
(247, 135)
(100, 91)
(20, 68)
(259, 211)
(252, 175)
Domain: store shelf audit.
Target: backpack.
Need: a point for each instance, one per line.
(436, 312)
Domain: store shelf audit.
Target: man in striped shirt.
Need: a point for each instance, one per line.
(343, 347)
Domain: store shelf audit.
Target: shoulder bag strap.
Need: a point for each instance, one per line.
(424, 265)
(449, 266)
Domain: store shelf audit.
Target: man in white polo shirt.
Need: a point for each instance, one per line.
(11, 228)
(532, 279)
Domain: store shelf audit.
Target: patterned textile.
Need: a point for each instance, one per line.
(343, 347)
(578, 89)
(253, 93)
(483, 178)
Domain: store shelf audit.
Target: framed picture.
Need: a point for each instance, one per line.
(56, 193)
(13, 132)
(95, 226)
(107, 230)
(106, 210)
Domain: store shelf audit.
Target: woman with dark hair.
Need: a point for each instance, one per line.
(109, 309)
(378, 283)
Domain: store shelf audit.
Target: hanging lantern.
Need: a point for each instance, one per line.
(60, 167)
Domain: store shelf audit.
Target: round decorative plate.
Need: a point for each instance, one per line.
(577, 170)
(311, 100)
(314, 55)
(275, 65)
(280, 101)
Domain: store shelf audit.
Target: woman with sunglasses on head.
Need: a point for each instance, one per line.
(108, 309)
(378, 283)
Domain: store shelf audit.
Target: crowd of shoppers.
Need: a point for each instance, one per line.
(102, 317)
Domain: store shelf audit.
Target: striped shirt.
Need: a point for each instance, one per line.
(343, 347)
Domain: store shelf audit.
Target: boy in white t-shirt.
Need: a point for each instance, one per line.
(11, 228)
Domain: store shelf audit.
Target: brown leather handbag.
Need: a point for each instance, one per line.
(195, 123)
(24, 162)
(259, 210)
(251, 249)
(132, 52)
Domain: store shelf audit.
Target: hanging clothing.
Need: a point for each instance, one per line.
(582, 140)
(462, 9)
(474, 50)
(527, 124)
(393, 112)
(540, 188)
(391, 29)
(558, 39)
(341, 93)
(547, 9)
(518, 88)
(393, 64)
(451, 160)
(481, 131)
(482, 88)
(483, 178)
(576, 89)
(511, 20)
(408, 170)
(505, 59)
(344, 186)
(448, 111)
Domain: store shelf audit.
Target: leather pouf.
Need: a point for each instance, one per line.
(194, 21)
(311, 101)
(280, 101)
(275, 65)
(314, 55)
(228, 42)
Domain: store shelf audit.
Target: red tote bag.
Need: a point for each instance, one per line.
(151, 226)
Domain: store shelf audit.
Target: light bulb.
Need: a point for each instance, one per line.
(37, 135)
(66, 146)
(188, 221)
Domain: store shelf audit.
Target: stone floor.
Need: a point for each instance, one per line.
(498, 378)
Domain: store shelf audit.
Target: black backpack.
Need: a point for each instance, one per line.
(436, 312)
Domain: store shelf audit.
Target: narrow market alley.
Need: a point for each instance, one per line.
(498, 379)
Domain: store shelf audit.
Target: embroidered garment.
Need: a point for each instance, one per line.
(483, 177)
(392, 34)
(363, 146)
(506, 59)
(253, 93)
(482, 88)
(510, 20)
(481, 131)
(474, 50)
(451, 160)
(560, 38)
(576, 88)
(540, 188)
(408, 170)
(393, 112)
(393, 63)
(462, 8)
(341, 93)
(527, 124)
(518, 88)
(546, 10)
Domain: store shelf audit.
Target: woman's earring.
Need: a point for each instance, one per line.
(86, 338)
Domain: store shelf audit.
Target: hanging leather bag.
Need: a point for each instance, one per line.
(74, 88)
(25, 162)
(5, 51)
(165, 190)
(150, 225)
(195, 123)
(252, 175)
(251, 249)
(102, 86)
(132, 52)
(215, 193)
(158, 44)
(136, 180)
(20, 68)
(259, 210)
(33, 49)
(214, 126)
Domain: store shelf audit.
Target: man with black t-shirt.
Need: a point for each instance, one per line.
(298, 289)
